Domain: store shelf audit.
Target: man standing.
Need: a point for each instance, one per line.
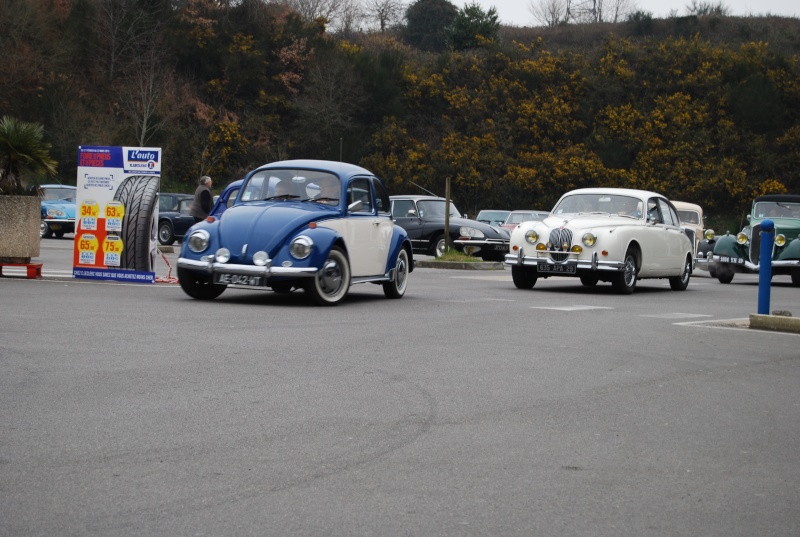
(203, 200)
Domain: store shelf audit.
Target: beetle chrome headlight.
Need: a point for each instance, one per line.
(589, 239)
(471, 232)
(301, 247)
(198, 240)
(223, 255)
(531, 236)
(741, 238)
(780, 240)
(709, 234)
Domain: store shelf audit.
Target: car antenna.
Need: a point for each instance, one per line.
(425, 189)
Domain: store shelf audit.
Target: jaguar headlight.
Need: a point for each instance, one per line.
(223, 255)
(301, 247)
(471, 232)
(741, 238)
(260, 258)
(198, 241)
(576, 249)
(589, 239)
(709, 234)
(780, 240)
(531, 236)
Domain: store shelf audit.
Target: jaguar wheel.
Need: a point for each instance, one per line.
(589, 280)
(331, 282)
(524, 277)
(199, 286)
(397, 287)
(625, 282)
(680, 283)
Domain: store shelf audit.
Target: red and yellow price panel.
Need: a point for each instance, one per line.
(87, 249)
(90, 210)
(115, 210)
(112, 251)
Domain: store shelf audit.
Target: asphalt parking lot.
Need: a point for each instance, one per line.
(468, 407)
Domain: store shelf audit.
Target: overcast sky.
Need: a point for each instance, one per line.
(516, 12)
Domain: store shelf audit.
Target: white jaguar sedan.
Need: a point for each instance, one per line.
(612, 235)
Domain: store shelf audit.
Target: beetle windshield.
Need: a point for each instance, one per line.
(434, 208)
(776, 209)
(600, 203)
(283, 184)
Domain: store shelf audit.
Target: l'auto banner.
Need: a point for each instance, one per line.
(117, 206)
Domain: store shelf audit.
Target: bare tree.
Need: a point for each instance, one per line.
(311, 10)
(120, 27)
(351, 17)
(143, 93)
(550, 13)
(385, 12)
(614, 10)
(707, 8)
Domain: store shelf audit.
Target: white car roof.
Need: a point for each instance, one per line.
(642, 194)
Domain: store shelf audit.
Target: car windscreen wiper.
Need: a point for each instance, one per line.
(282, 197)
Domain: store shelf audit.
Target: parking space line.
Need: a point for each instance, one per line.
(571, 308)
(677, 315)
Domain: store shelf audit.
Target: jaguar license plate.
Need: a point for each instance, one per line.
(239, 279)
(556, 269)
(732, 260)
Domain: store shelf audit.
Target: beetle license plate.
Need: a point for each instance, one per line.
(556, 269)
(733, 260)
(239, 279)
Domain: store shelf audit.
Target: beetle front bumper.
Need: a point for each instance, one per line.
(211, 267)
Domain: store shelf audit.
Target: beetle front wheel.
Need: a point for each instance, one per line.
(198, 285)
(331, 282)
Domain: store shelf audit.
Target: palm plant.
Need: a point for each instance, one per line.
(22, 149)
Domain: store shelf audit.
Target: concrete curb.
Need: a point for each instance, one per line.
(459, 265)
(164, 249)
(777, 323)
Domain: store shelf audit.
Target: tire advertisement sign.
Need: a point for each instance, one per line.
(117, 212)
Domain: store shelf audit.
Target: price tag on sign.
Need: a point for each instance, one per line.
(115, 210)
(112, 248)
(87, 249)
(89, 212)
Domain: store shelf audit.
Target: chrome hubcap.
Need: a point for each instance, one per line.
(330, 280)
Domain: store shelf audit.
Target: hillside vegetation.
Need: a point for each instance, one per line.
(702, 109)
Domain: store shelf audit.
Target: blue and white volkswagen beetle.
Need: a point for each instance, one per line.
(314, 225)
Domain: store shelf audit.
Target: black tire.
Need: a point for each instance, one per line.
(625, 282)
(796, 277)
(44, 231)
(438, 246)
(725, 274)
(283, 288)
(680, 283)
(712, 272)
(139, 195)
(59, 234)
(330, 284)
(198, 285)
(397, 288)
(524, 277)
(166, 236)
(589, 280)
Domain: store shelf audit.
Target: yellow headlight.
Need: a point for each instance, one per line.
(531, 236)
(780, 240)
(709, 234)
(541, 247)
(577, 248)
(589, 239)
(741, 238)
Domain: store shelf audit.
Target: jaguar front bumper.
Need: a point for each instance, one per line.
(544, 257)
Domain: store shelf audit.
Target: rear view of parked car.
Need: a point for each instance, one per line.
(58, 210)
(741, 253)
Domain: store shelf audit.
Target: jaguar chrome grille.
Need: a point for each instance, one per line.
(560, 241)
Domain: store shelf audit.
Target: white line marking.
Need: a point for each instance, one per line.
(571, 308)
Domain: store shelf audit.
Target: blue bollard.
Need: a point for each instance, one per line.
(765, 265)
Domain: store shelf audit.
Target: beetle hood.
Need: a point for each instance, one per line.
(266, 225)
